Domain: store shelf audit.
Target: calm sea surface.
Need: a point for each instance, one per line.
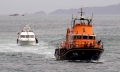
(50, 30)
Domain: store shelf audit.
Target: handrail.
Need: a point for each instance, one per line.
(85, 44)
(81, 44)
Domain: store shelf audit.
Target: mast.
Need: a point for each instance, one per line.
(81, 12)
(72, 22)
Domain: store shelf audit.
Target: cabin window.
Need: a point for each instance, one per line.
(74, 37)
(22, 36)
(27, 36)
(85, 37)
(32, 36)
(91, 37)
(79, 37)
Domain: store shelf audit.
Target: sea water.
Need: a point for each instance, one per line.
(51, 30)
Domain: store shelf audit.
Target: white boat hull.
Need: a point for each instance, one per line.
(26, 42)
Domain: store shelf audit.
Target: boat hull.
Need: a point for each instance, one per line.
(78, 54)
(26, 42)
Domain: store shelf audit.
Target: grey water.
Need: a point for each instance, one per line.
(50, 30)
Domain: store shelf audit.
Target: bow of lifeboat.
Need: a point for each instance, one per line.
(80, 43)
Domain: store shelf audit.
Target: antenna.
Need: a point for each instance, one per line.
(91, 19)
(81, 12)
(92, 16)
(72, 21)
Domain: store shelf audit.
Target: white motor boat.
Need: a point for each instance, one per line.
(26, 37)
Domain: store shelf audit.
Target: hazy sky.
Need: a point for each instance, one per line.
(32, 6)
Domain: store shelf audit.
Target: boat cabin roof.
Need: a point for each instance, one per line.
(27, 33)
(82, 29)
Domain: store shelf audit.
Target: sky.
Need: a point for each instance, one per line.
(32, 6)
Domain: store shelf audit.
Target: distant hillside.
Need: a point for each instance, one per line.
(40, 12)
(112, 9)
